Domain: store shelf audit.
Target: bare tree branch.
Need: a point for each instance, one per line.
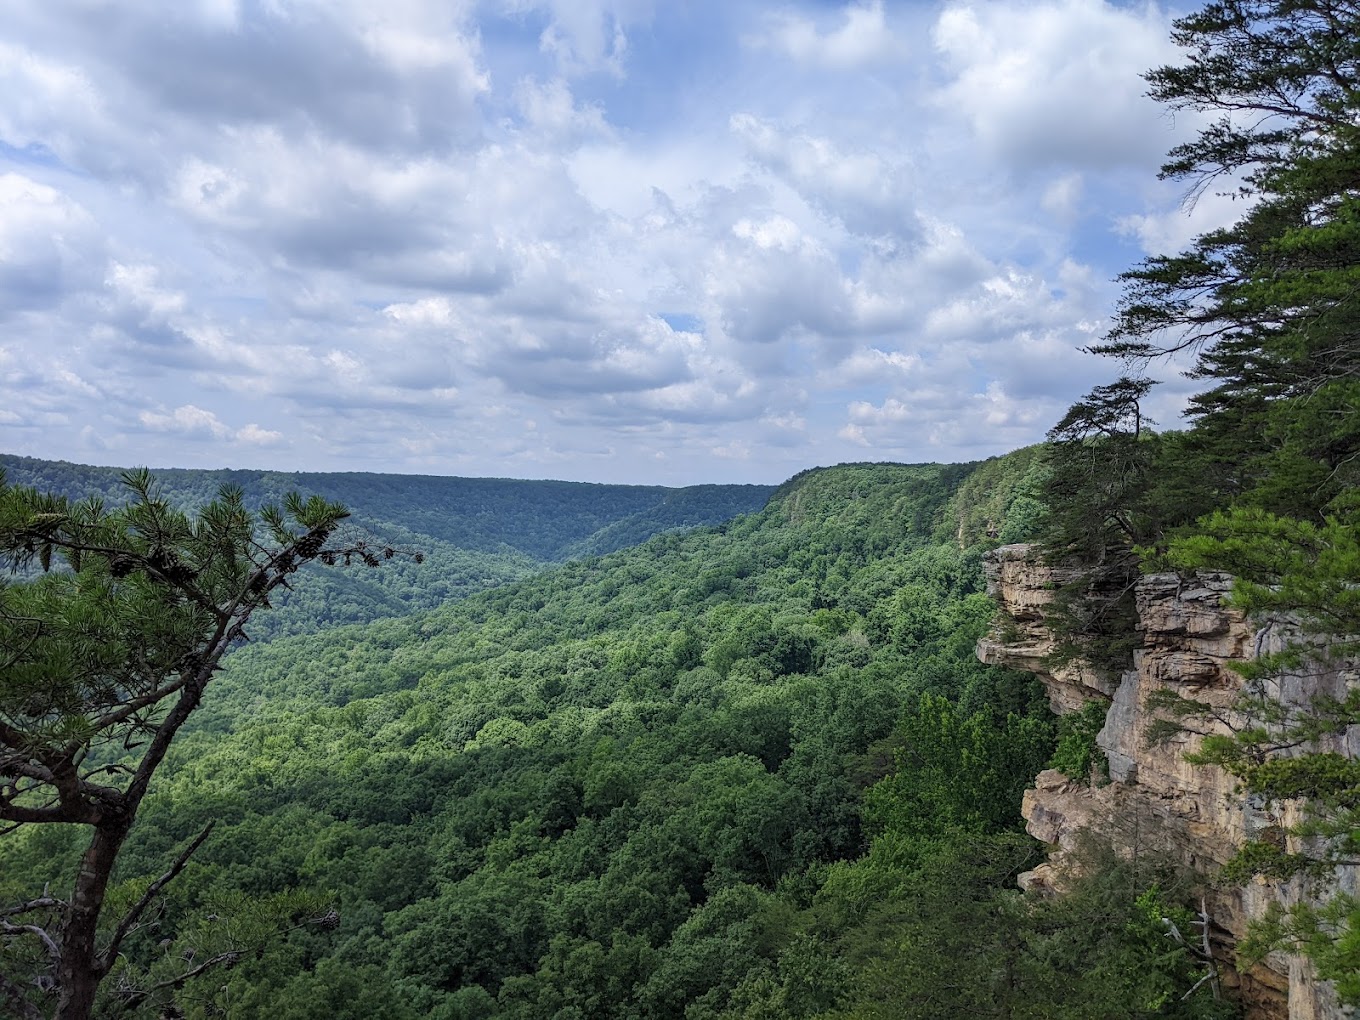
(49, 943)
(41, 903)
(131, 917)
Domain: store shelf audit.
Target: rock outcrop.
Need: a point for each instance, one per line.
(1023, 588)
(1155, 798)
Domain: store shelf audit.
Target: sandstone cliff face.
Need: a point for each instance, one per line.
(1023, 588)
(1156, 799)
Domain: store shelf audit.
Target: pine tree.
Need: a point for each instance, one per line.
(112, 625)
(1270, 309)
(1270, 306)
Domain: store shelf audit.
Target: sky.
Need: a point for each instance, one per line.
(600, 240)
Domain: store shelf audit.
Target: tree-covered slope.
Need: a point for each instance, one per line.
(472, 533)
(733, 772)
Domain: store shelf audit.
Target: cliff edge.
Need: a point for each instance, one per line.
(1155, 799)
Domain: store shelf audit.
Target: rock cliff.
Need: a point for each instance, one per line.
(1156, 799)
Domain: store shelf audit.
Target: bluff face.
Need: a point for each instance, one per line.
(1155, 799)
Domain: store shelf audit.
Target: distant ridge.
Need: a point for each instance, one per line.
(475, 533)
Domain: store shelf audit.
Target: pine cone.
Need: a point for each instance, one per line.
(329, 921)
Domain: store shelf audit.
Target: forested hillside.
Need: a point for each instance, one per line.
(567, 756)
(472, 534)
(746, 772)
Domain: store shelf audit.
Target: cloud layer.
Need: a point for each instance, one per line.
(609, 240)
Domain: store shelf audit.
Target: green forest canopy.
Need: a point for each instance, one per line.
(754, 771)
(472, 533)
(745, 771)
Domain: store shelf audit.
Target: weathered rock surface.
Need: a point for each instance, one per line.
(1023, 588)
(1156, 799)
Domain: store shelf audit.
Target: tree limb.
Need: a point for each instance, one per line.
(41, 903)
(142, 994)
(59, 813)
(49, 943)
(130, 919)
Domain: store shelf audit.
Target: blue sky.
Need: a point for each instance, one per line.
(606, 240)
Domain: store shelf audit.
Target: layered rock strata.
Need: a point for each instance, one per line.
(1156, 799)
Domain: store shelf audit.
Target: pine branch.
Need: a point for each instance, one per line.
(131, 917)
